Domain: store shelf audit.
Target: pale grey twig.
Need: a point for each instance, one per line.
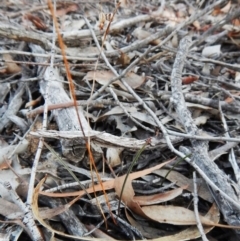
(231, 107)
(57, 56)
(86, 183)
(196, 58)
(195, 202)
(232, 158)
(204, 137)
(28, 219)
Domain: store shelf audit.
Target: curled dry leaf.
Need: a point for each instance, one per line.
(11, 67)
(212, 51)
(103, 76)
(197, 25)
(141, 34)
(159, 197)
(36, 21)
(201, 120)
(5, 164)
(33, 102)
(113, 157)
(229, 100)
(72, 24)
(189, 233)
(124, 59)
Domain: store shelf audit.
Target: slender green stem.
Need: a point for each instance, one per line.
(70, 171)
(175, 164)
(130, 169)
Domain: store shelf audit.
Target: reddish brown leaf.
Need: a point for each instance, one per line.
(189, 79)
(36, 21)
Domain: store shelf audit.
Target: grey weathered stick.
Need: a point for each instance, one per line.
(230, 107)
(11, 31)
(13, 108)
(200, 157)
(69, 218)
(66, 118)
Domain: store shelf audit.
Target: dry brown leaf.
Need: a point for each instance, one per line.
(33, 102)
(197, 25)
(12, 68)
(141, 34)
(193, 232)
(189, 79)
(226, 8)
(5, 164)
(103, 76)
(133, 80)
(36, 21)
(158, 198)
(181, 180)
(48, 213)
(187, 234)
(219, 10)
(229, 100)
(124, 59)
(173, 215)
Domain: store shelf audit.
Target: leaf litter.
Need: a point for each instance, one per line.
(141, 41)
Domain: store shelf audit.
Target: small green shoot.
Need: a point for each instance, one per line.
(174, 165)
(148, 141)
(60, 160)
